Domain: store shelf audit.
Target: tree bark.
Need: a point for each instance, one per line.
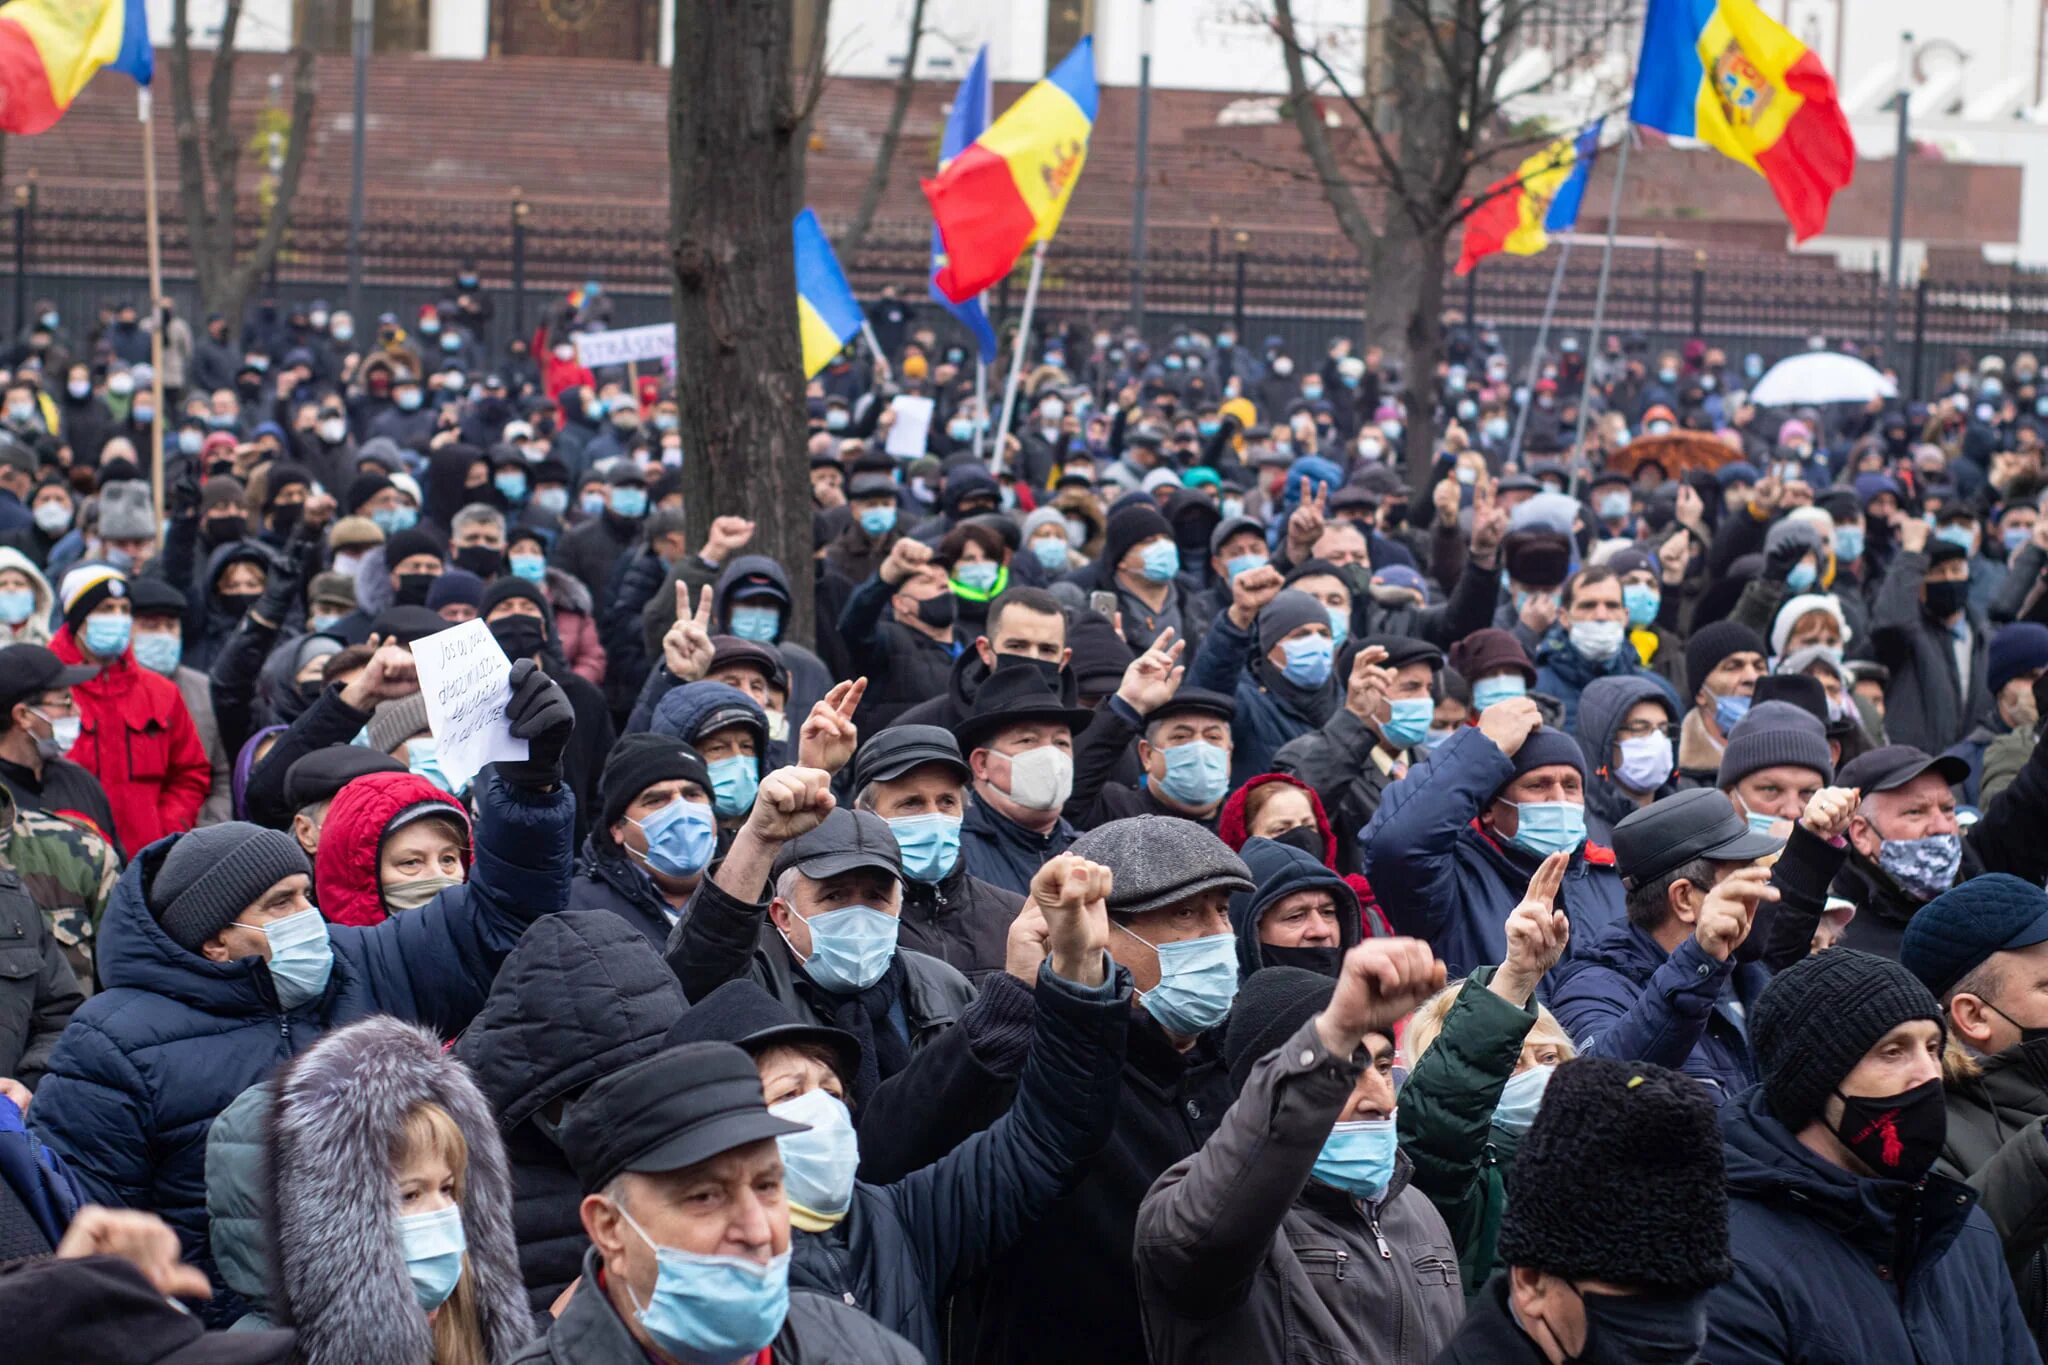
(733, 124)
(885, 155)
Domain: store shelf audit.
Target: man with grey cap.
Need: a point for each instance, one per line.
(1905, 845)
(914, 778)
(806, 905)
(1776, 762)
(689, 1227)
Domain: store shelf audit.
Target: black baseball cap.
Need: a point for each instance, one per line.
(1895, 765)
(1666, 834)
(667, 1112)
(319, 775)
(31, 670)
(902, 748)
(846, 840)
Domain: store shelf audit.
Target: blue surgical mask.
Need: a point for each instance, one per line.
(1233, 567)
(1802, 577)
(818, 1164)
(1520, 1098)
(680, 837)
(159, 653)
(758, 624)
(1730, 709)
(326, 621)
(553, 500)
(734, 781)
(1308, 660)
(1358, 1158)
(1197, 773)
(1848, 543)
(1502, 687)
(979, 576)
(532, 568)
(1547, 827)
(1613, 506)
(1162, 561)
(301, 956)
(1957, 535)
(392, 520)
(1340, 625)
(17, 605)
(424, 758)
(710, 1310)
(930, 845)
(408, 400)
(512, 485)
(961, 430)
(1197, 983)
(1434, 740)
(850, 948)
(1051, 553)
(432, 1244)
(2015, 537)
(107, 636)
(593, 504)
(1642, 602)
(1409, 722)
(629, 500)
(878, 521)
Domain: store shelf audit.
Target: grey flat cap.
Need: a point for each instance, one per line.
(1159, 861)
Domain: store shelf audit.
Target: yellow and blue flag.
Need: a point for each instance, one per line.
(827, 313)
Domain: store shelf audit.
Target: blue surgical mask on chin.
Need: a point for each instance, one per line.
(930, 845)
(681, 837)
(301, 956)
(1358, 1158)
(432, 1244)
(1409, 723)
(850, 948)
(1197, 773)
(711, 1310)
(734, 781)
(1197, 983)
(1547, 827)
(1520, 1098)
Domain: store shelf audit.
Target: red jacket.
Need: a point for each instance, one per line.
(345, 880)
(137, 738)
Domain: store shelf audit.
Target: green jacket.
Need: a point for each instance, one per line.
(68, 869)
(1445, 1120)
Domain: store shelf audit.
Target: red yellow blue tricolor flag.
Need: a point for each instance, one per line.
(1520, 211)
(49, 49)
(827, 313)
(1010, 187)
(1723, 72)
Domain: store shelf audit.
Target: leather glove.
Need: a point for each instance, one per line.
(1779, 563)
(540, 714)
(185, 491)
(283, 579)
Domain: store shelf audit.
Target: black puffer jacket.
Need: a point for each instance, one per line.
(607, 880)
(959, 920)
(581, 996)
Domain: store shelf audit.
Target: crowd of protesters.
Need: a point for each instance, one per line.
(1207, 891)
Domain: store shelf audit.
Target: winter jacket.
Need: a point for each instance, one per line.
(1338, 761)
(1563, 672)
(2004, 757)
(136, 737)
(1490, 1335)
(211, 619)
(608, 880)
(62, 788)
(346, 883)
(171, 1038)
(1824, 1275)
(196, 690)
(1927, 705)
(1439, 875)
(329, 720)
(1996, 1142)
(960, 920)
(626, 655)
(1270, 710)
(588, 552)
(903, 1248)
(38, 990)
(575, 627)
(817, 1331)
(1278, 871)
(579, 998)
(1460, 1155)
(902, 666)
(1242, 1255)
(238, 1203)
(39, 1194)
(997, 850)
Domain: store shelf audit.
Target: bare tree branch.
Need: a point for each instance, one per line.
(878, 174)
(1315, 138)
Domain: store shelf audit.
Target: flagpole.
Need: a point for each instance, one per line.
(1536, 354)
(980, 400)
(1020, 344)
(867, 332)
(1628, 135)
(145, 113)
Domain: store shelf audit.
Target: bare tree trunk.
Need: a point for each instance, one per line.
(885, 155)
(733, 123)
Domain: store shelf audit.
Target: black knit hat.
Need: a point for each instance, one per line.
(1817, 1018)
(1128, 528)
(1620, 1179)
(1271, 1006)
(412, 541)
(1545, 747)
(1711, 644)
(639, 761)
(1288, 612)
(1775, 734)
(211, 875)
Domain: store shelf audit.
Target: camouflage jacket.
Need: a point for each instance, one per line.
(69, 869)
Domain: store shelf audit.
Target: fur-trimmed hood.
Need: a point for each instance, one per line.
(337, 1273)
(566, 592)
(35, 630)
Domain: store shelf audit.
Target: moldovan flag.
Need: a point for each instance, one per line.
(1010, 187)
(50, 48)
(1722, 72)
(826, 311)
(1542, 194)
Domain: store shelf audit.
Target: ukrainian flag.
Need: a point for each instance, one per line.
(49, 49)
(827, 313)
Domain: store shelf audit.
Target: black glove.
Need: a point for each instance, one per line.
(282, 579)
(185, 491)
(1779, 563)
(540, 714)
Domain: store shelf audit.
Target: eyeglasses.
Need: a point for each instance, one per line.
(1644, 729)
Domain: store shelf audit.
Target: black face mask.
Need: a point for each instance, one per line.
(937, 611)
(236, 603)
(1307, 838)
(310, 690)
(521, 637)
(284, 516)
(1946, 599)
(1321, 961)
(1643, 1329)
(2027, 1035)
(413, 589)
(482, 560)
(1896, 1136)
(221, 530)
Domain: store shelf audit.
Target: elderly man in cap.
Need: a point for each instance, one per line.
(39, 724)
(1671, 985)
(1018, 740)
(1722, 664)
(913, 777)
(689, 1227)
(1455, 843)
(1184, 746)
(312, 783)
(1982, 948)
(1848, 1245)
(655, 834)
(1776, 761)
(1905, 845)
(1616, 1226)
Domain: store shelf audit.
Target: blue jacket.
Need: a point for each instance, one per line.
(1623, 996)
(1821, 1278)
(1563, 672)
(1438, 876)
(997, 850)
(1266, 716)
(171, 1039)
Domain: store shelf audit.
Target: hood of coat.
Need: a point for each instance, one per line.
(583, 995)
(688, 711)
(338, 1273)
(446, 484)
(1230, 822)
(234, 552)
(345, 878)
(1603, 706)
(39, 620)
(134, 951)
(1280, 870)
(754, 575)
(566, 592)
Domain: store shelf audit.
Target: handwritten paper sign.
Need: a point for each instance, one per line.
(627, 345)
(913, 424)
(463, 676)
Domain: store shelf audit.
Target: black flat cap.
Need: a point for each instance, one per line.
(1894, 765)
(1195, 699)
(902, 748)
(848, 839)
(1403, 650)
(728, 650)
(322, 773)
(31, 670)
(741, 1013)
(403, 625)
(150, 595)
(1013, 694)
(667, 1112)
(1691, 824)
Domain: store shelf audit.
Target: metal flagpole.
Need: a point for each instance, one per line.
(1020, 344)
(867, 333)
(144, 112)
(1628, 136)
(1536, 355)
(980, 400)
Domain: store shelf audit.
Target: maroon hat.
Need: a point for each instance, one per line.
(1484, 651)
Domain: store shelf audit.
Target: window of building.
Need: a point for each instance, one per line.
(622, 30)
(1067, 22)
(395, 25)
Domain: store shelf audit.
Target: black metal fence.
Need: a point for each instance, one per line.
(83, 248)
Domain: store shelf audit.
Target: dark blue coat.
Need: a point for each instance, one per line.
(1267, 715)
(1563, 672)
(1821, 1278)
(1624, 997)
(1438, 876)
(146, 1065)
(997, 850)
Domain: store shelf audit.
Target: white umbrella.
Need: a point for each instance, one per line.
(1820, 377)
